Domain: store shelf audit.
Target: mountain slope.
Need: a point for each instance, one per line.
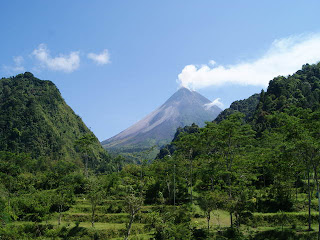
(35, 119)
(301, 89)
(286, 94)
(246, 106)
(183, 108)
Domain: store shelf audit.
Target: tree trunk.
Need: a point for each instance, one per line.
(129, 227)
(191, 172)
(92, 216)
(229, 168)
(60, 215)
(309, 200)
(296, 185)
(208, 219)
(238, 220)
(86, 166)
(318, 207)
(264, 178)
(315, 168)
(168, 187)
(212, 186)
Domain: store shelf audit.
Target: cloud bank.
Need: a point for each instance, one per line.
(284, 57)
(65, 63)
(100, 59)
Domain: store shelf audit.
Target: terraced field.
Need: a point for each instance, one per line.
(110, 223)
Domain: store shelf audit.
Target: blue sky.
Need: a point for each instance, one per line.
(116, 61)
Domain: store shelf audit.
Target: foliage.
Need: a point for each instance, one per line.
(169, 149)
(246, 106)
(35, 119)
(172, 223)
(258, 165)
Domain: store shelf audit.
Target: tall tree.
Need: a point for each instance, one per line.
(95, 194)
(210, 201)
(188, 146)
(84, 143)
(233, 138)
(63, 199)
(133, 206)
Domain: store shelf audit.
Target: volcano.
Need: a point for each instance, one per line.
(183, 108)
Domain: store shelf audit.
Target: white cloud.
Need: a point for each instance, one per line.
(284, 57)
(212, 62)
(100, 59)
(217, 102)
(17, 68)
(65, 63)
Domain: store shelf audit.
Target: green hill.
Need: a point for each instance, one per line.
(284, 94)
(35, 119)
(300, 90)
(246, 106)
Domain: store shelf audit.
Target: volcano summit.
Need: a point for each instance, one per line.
(183, 108)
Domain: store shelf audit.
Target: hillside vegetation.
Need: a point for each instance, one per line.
(243, 177)
(246, 106)
(35, 119)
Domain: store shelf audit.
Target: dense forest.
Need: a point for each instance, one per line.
(35, 119)
(252, 174)
(246, 106)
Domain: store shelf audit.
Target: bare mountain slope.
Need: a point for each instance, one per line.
(183, 108)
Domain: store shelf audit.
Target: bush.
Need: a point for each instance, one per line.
(278, 219)
(199, 234)
(230, 233)
(172, 224)
(283, 235)
(115, 218)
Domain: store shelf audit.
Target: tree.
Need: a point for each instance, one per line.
(63, 199)
(300, 133)
(172, 224)
(95, 194)
(187, 146)
(84, 143)
(4, 215)
(133, 206)
(209, 201)
(234, 136)
(309, 148)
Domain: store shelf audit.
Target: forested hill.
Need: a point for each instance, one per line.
(246, 106)
(35, 119)
(301, 89)
(284, 94)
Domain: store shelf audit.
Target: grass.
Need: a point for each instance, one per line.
(219, 218)
(107, 225)
(113, 225)
(144, 236)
